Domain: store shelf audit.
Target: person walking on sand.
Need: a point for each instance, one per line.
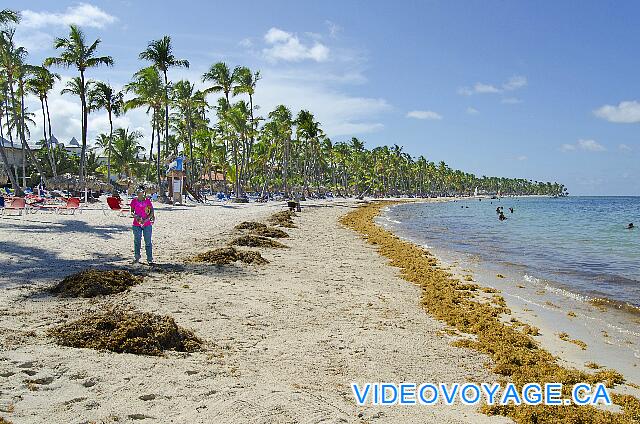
(143, 219)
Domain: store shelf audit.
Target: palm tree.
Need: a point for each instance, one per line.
(8, 16)
(126, 148)
(148, 90)
(103, 96)
(3, 154)
(246, 84)
(308, 130)
(236, 117)
(159, 52)
(77, 53)
(188, 102)
(222, 79)
(40, 84)
(281, 117)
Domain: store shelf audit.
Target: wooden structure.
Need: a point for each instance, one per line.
(175, 179)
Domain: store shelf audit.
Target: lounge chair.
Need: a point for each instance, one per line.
(73, 204)
(115, 204)
(16, 203)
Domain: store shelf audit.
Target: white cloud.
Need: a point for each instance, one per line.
(82, 14)
(481, 88)
(624, 148)
(521, 158)
(515, 82)
(339, 113)
(591, 145)
(511, 100)
(627, 112)
(511, 84)
(288, 47)
(246, 42)
(424, 114)
(472, 111)
(584, 144)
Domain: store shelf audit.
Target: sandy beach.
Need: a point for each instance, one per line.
(284, 341)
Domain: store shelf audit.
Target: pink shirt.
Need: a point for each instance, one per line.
(142, 211)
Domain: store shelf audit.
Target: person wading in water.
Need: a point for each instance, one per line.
(143, 219)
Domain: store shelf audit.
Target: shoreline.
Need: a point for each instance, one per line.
(608, 332)
(419, 267)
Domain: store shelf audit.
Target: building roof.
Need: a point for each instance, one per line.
(73, 143)
(16, 144)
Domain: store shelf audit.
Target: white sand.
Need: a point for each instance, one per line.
(285, 340)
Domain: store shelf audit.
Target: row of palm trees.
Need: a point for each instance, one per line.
(279, 152)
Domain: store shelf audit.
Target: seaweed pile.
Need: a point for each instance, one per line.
(227, 255)
(271, 232)
(250, 225)
(95, 282)
(140, 333)
(516, 355)
(283, 219)
(255, 241)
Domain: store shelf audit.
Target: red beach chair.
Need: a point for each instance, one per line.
(73, 204)
(115, 204)
(17, 204)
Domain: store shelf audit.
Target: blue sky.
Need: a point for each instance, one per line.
(543, 90)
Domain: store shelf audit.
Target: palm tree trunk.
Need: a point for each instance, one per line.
(285, 169)
(235, 162)
(153, 136)
(24, 141)
(109, 146)
(166, 112)
(158, 159)
(44, 131)
(53, 152)
(85, 118)
(5, 163)
(189, 135)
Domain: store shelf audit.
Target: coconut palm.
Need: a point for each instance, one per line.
(222, 79)
(188, 102)
(103, 96)
(76, 52)
(149, 93)
(8, 16)
(160, 53)
(12, 62)
(3, 154)
(237, 117)
(282, 120)
(126, 149)
(246, 84)
(40, 84)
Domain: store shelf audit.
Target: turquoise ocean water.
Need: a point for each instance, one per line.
(578, 244)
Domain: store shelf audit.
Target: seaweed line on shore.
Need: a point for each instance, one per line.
(516, 355)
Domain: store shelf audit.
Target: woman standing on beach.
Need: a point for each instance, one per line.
(143, 219)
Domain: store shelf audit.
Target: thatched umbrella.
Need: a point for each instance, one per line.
(64, 182)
